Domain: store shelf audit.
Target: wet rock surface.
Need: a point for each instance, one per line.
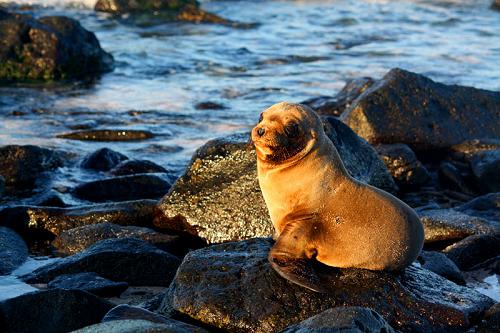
(140, 326)
(103, 159)
(474, 250)
(27, 220)
(335, 106)
(108, 135)
(404, 107)
(491, 319)
(131, 167)
(439, 263)
(49, 48)
(121, 259)
(217, 286)
(450, 224)
(13, 251)
(124, 188)
(207, 200)
(54, 310)
(22, 166)
(78, 239)
(486, 206)
(405, 168)
(89, 282)
(343, 319)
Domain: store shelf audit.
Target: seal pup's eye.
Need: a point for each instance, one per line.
(261, 117)
(292, 130)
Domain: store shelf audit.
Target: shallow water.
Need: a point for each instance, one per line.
(299, 49)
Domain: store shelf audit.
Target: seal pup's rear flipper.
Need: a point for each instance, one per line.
(298, 271)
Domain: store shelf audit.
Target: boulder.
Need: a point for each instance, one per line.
(89, 282)
(465, 150)
(29, 220)
(404, 107)
(335, 106)
(233, 287)
(132, 167)
(486, 169)
(78, 239)
(124, 188)
(473, 250)
(219, 198)
(208, 105)
(454, 178)
(54, 310)
(49, 48)
(2, 185)
(107, 135)
(486, 206)
(491, 319)
(495, 5)
(22, 166)
(405, 168)
(103, 159)
(13, 251)
(351, 319)
(166, 10)
(450, 224)
(140, 326)
(439, 263)
(119, 259)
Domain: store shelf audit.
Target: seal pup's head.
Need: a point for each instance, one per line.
(286, 133)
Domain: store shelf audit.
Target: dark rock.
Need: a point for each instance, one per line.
(166, 10)
(335, 106)
(2, 185)
(28, 219)
(21, 166)
(232, 286)
(53, 310)
(465, 150)
(119, 259)
(78, 239)
(491, 319)
(473, 250)
(439, 263)
(486, 168)
(495, 5)
(221, 185)
(13, 251)
(131, 167)
(49, 198)
(49, 48)
(89, 282)
(140, 326)
(450, 224)
(405, 107)
(103, 159)
(107, 135)
(486, 206)
(123, 188)
(209, 106)
(403, 165)
(451, 177)
(343, 319)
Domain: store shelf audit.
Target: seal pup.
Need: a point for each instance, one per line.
(321, 213)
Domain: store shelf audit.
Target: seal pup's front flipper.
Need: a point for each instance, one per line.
(293, 255)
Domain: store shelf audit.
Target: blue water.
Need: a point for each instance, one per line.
(298, 50)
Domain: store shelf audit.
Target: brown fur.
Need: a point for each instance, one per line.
(319, 211)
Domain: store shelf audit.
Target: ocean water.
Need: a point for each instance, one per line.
(296, 50)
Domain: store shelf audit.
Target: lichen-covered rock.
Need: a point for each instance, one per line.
(89, 282)
(13, 251)
(404, 107)
(78, 239)
(107, 135)
(335, 106)
(123, 188)
(166, 10)
(49, 48)
(103, 159)
(232, 286)
(22, 166)
(351, 319)
(450, 224)
(119, 259)
(55, 310)
(219, 198)
(28, 220)
(403, 165)
(473, 250)
(439, 263)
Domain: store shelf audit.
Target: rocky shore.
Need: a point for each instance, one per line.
(202, 239)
